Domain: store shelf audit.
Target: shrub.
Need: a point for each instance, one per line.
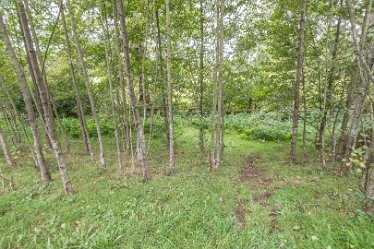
(260, 126)
(73, 128)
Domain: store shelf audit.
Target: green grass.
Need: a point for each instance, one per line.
(193, 208)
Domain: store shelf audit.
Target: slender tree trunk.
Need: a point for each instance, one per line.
(366, 77)
(369, 189)
(15, 122)
(201, 80)
(58, 118)
(163, 95)
(367, 68)
(41, 61)
(125, 116)
(8, 156)
(154, 98)
(19, 119)
(88, 84)
(220, 104)
(333, 136)
(139, 125)
(132, 153)
(341, 143)
(108, 57)
(142, 80)
(84, 130)
(37, 90)
(329, 93)
(45, 103)
(300, 62)
(9, 123)
(217, 129)
(369, 177)
(28, 102)
(169, 88)
(305, 116)
(12, 113)
(215, 100)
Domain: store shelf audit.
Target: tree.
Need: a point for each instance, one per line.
(108, 57)
(143, 155)
(50, 122)
(365, 73)
(218, 105)
(27, 100)
(169, 89)
(299, 68)
(82, 119)
(201, 79)
(8, 156)
(88, 84)
(124, 114)
(163, 96)
(329, 93)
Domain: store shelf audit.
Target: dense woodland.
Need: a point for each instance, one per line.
(160, 98)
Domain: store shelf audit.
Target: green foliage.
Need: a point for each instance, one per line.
(73, 128)
(191, 209)
(260, 126)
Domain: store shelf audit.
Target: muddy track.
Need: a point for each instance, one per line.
(249, 172)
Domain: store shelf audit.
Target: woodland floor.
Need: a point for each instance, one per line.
(256, 200)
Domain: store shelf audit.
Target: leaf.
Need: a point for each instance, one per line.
(296, 228)
(314, 238)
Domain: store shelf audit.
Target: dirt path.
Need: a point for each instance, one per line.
(263, 183)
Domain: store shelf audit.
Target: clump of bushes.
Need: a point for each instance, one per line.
(260, 126)
(73, 128)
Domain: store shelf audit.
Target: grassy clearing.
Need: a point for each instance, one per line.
(303, 207)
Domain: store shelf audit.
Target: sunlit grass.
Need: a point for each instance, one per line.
(192, 208)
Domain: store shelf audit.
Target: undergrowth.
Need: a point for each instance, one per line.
(193, 208)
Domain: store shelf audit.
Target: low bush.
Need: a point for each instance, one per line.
(260, 126)
(73, 128)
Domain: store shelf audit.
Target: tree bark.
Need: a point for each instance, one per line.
(143, 86)
(300, 62)
(20, 120)
(81, 116)
(88, 84)
(37, 90)
(213, 147)
(201, 80)
(139, 125)
(108, 57)
(369, 176)
(366, 78)
(163, 95)
(125, 117)
(220, 104)
(9, 123)
(8, 156)
(341, 143)
(305, 115)
(45, 102)
(28, 102)
(41, 61)
(329, 93)
(169, 89)
(154, 97)
(217, 129)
